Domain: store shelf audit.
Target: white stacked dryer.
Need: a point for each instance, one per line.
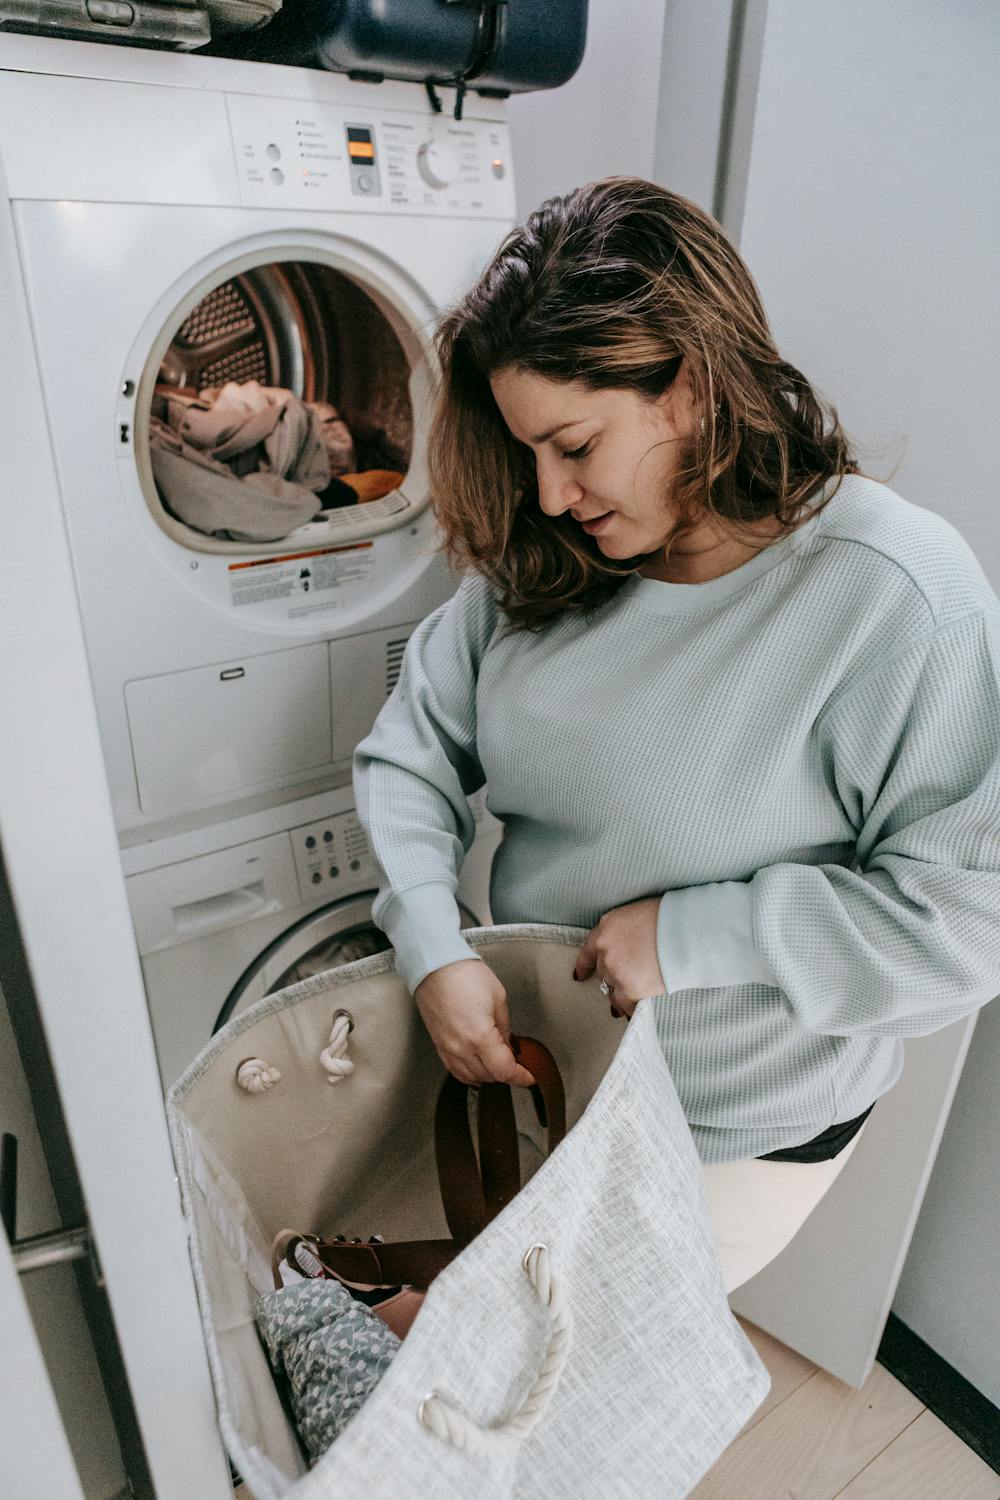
(193, 221)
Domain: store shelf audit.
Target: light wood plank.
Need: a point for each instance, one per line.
(815, 1442)
(926, 1462)
(787, 1368)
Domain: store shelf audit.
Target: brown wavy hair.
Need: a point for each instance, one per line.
(615, 285)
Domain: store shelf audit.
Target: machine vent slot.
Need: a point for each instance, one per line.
(393, 662)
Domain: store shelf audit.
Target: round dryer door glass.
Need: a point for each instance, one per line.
(327, 939)
(279, 405)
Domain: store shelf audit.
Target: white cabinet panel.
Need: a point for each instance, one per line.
(230, 728)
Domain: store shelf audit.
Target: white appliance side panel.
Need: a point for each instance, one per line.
(77, 937)
(231, 727)
(363, 670)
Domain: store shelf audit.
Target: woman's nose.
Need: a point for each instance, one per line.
(556, 492)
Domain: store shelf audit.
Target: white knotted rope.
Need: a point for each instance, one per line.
(256, 1076)
(334, 1055)
(447, 1423)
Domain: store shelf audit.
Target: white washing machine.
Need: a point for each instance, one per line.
(237, 910)
(186, 221)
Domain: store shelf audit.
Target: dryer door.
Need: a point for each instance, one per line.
(334, 935)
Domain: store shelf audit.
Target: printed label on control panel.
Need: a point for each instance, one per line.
(299, 575)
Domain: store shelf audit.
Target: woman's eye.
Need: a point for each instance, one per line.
(578, 452)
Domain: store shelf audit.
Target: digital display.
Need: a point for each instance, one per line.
(360, 145)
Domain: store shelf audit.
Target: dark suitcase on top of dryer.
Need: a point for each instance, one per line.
(494, 48)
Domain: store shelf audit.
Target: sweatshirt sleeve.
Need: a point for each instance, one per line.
(413, 775)
(909, 941)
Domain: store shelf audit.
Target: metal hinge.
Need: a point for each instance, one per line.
(35, 1251)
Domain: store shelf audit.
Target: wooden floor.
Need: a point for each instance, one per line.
(814, 1438)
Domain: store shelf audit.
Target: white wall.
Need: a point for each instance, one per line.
(863, 194)
(600, 124)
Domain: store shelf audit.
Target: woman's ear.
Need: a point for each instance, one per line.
(680, 403)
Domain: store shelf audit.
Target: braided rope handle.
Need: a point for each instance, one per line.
(334, 1056)
(450, 1425)
(255, 1076)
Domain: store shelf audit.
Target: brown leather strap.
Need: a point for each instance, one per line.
(403, 1263)
(499, 1157)
(472, 1193)
(542, 1066)
(458, 1174)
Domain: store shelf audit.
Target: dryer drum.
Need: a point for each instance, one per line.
(324, 940)
(309, 329)
(313, 331)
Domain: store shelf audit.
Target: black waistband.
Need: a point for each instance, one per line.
(825, 1146)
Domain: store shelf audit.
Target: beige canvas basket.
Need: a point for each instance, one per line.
(608, 1362)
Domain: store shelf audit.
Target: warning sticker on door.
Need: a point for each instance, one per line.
(298, 576)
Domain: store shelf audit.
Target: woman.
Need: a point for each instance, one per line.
(737, 705)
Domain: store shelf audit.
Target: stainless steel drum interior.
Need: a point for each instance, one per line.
(310, 329)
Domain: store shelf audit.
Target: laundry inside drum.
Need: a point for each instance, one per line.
(283, 396)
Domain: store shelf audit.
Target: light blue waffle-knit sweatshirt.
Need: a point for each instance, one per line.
(801, 757)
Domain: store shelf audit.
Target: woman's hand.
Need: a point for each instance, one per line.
(622, 949)
(464, 1007)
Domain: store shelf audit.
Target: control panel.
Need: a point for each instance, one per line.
(332, 857)
(309, 154)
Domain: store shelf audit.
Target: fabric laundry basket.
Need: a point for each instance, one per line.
(656, 1377)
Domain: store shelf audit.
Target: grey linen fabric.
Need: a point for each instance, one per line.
(659, 1376)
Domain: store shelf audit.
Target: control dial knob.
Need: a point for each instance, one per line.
(438, 163)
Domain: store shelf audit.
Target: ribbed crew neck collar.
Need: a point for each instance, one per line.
(679, 598)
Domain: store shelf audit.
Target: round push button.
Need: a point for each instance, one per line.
(276, 175)
(273, 152)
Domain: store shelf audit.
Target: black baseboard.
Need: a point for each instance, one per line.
(942, 1390)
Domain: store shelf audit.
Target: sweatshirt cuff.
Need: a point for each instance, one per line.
(704, 938)
(422, 924)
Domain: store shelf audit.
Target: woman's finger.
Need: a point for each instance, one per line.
(501, 1016)
(500, 1063)
(586, 959)
(466, 1069)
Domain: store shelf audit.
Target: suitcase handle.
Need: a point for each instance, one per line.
(450, 1425)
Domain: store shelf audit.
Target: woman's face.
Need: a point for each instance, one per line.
(605, 456)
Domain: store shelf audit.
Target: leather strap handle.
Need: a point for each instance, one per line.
(472, 1195)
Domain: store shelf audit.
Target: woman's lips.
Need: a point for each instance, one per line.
(598, 523)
